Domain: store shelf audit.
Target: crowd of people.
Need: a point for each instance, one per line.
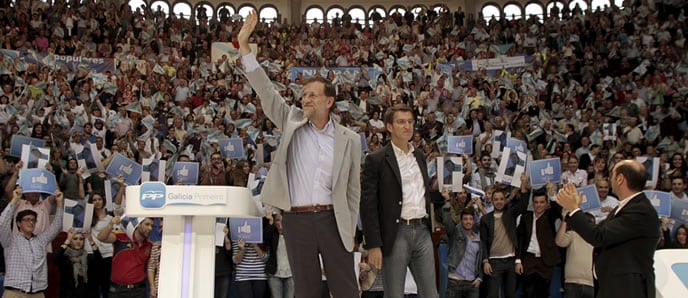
(597, 87)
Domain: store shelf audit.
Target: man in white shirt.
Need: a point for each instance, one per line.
(607, 202)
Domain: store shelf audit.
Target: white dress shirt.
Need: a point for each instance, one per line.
(412, 187)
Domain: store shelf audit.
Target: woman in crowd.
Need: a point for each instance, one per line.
(75, 264)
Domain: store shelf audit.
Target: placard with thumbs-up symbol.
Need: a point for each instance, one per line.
(460, 144)
(544, 170)
(121, 166)
(185, 173)
(249, 229)
(233, 148)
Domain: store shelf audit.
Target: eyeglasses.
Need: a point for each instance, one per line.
(31, 220)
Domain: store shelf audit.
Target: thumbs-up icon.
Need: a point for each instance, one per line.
(40, 179)
(519, 148)
(549, 170)
(183, 171)
(584, 199)
(461, 144)
(246, 228)
(229, 147)
(655, 201)
(126, 169)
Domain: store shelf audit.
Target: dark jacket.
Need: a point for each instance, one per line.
(67, 284)
(624, 251)
(516, 207)
(381, 197)
(545, 234)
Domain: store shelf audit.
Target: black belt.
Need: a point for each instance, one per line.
(22, 291)
(460, 282)
(130, 286)
(412, 221)
(311, 209)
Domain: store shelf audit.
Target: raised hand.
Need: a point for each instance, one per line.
(246, 31)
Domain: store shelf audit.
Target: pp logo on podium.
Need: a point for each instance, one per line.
(153, 195)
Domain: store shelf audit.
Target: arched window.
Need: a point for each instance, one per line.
(334, 13)
(599, 5)
(268, 14)
(439, 8)
(490, 11)
(182, 10)
(136, 4)
(400, 10)
(357, 14)
(619, 3)
(314, 14)
(209, 11)
(581, 4)
(416, 11)
(225, 11)
(534, 9)
(245, 10)
(380, 11)
(560, 7)
(512, 12)
(162, 5)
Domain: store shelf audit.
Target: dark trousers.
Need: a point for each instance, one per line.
(252, 288)
(536, 286)
(139, 292)
(99, 278)
(503, 275)
(222, 285)
(572, 290)
(371, 294)
(462, 289)
(308, 235)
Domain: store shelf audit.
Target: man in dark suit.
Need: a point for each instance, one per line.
(498, 242)
(537, 252)
(395, 209)
(624, 242)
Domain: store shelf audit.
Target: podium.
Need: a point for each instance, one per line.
(671, 273)
(187, 259)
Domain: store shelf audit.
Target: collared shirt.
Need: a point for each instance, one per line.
(26, 267)
(130, 259)
(466, 268)
(42, 209)
(310, 165)
(534, 245)
(625, 201)
(412, 187)
(611, 202)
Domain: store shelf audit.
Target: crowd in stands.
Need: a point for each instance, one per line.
(624, 66)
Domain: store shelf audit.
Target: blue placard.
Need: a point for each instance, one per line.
(517, 145)
(364, 142)
(660, 200)
(185, 173)
(681, 270)
(460, 144)
(234, 148)
(127, 168)
(249, 229)
(37, 180)
(17, 141)
(544, 170)
(591, 199)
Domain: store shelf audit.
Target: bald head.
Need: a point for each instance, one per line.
(629, 176)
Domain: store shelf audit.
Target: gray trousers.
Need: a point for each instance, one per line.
(413, 249)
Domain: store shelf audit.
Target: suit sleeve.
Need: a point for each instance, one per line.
(370, 202)
(521, 235)
(637, 221)
(484, 236)
(273, 104)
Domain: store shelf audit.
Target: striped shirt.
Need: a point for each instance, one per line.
(27, 267)
(252, 266)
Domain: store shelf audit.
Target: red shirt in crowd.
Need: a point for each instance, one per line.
(129, 260)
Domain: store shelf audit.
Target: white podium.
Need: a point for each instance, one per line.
(187, 259)
(671, 275)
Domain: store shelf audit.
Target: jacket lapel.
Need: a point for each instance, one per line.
(341, 142)
(392, 162)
